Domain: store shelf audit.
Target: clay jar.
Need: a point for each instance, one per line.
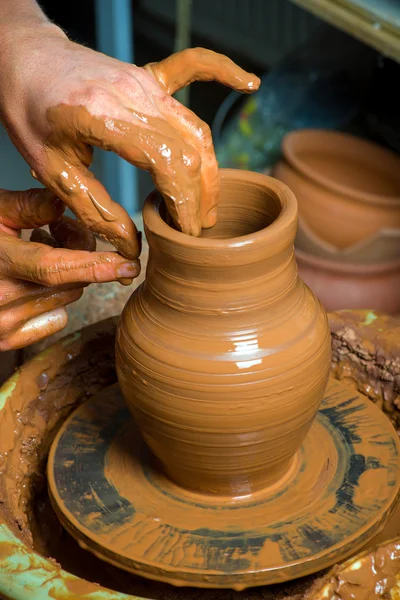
(341, 285)
(347, 188)
(223, 353)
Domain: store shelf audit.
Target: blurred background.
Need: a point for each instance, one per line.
(313, 73)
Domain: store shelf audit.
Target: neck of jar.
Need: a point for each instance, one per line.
(220, 280)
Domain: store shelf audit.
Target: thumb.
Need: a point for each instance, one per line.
(29, 209)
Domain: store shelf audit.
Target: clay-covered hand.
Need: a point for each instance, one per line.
(40, 277)
(61, 99)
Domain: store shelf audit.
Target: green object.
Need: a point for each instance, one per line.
(24, 574)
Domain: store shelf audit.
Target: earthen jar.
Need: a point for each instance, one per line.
(223, 353)
(347, 285)
(347, 188)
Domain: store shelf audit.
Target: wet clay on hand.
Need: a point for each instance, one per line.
(142, 123)
(39, 278)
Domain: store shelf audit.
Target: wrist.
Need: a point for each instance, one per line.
(25, 36)
(22, 29)
(21, 48)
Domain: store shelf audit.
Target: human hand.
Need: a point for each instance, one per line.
(39, 278)
(61, 99)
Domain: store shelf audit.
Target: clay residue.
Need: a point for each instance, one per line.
(73, 370)
(372, 576)
(36, 407)
(90, 359)
(365, 348)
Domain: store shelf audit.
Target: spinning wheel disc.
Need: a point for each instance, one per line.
(110, 494)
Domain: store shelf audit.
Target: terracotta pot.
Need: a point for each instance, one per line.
(223, 353)
(345, 285)
(382, 247)
(347, 188)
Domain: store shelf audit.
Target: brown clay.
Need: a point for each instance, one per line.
(111, 496)
(365, 355)
(223, 354)
(372, 575)
(76, 368)
(152, 131)
(39, 278)
(347, 188)
(352, 286)
(382, 247)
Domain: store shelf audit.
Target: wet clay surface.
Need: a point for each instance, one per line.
(34, 414)
(372, 576)
(223, 354)
(365, 347)
(114, 498)
(142, 123)
(47, 391)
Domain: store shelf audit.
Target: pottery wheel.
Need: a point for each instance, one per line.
(110, 494)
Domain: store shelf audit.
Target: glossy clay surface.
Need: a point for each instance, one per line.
(109, 493)
(223, 353)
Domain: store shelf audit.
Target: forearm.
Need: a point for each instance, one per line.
(16, 12)
(17, 18)
(24, 28)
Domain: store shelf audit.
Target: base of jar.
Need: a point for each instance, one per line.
(253, 493)
(337, 495)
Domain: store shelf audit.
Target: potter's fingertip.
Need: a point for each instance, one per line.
(210, 218)
(194, 229)
(128, 248)
(254, 84)
(47, 323)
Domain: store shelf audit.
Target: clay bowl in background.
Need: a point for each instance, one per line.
(383, 246)
(348, 286)
(347, 188)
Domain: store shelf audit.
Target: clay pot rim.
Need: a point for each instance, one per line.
(346, 268)
(268, 235)
(289, 152)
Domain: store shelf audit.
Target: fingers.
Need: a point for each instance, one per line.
(29, 209)
(198, 64)
(16, 318)
(14, 292)
(35, 330)
(66, 233)
(89, 200)
(197, 133)
(48, 266)
(72, 234)
(150, 143)
(41, 236)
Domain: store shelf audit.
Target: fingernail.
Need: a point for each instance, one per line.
(127, 270)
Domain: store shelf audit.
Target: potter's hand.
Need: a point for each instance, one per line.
(61, 99)
(40, 277)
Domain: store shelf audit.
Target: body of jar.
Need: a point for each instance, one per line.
(223, 354)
